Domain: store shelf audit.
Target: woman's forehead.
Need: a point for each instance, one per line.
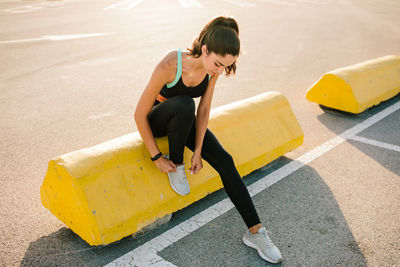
(224, 60)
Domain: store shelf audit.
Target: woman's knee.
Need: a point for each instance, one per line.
(227, 159)
(184, 104)
(222, 161)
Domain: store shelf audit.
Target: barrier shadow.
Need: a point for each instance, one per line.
(65, 248)
(62, 248)
(300, 211)
(338, 122)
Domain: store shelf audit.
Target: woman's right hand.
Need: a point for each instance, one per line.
(165, 165)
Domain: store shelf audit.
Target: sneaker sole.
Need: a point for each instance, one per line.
(250, 244)
(176, 191)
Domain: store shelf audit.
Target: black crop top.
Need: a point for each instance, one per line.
(177, 87)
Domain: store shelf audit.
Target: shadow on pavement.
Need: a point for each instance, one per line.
(65, 248)
(61, 248)
(386, 158)
(338, 122)
(300, 211)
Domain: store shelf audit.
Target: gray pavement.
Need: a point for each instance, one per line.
(60, 94)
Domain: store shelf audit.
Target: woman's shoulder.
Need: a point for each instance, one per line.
(168, 65)
(170, 59)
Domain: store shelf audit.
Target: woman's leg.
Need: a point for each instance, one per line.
(174, 118)
(222, 162)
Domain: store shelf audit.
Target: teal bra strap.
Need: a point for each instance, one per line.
(178, 69)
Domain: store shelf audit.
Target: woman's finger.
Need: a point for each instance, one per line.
(172, 164)
(193, 169)
(197, 169)
(172, 169)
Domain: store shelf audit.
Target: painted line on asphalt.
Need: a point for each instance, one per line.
(29, 8)
(190, 3)
(295, 2)
(375, 143)
(240, 3)
(101, 116)
(279, 2)
(124, 5)
(312, 2)
(146, 254)
(58, 37)
(22, 41)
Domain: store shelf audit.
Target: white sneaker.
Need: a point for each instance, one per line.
(263, 244)
(178, 180)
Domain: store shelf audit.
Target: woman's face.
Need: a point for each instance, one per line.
(214, 63)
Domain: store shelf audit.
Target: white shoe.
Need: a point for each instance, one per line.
(178, 180)
(263, 244)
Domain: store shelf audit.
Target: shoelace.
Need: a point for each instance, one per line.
(182, 176)
(264, 234)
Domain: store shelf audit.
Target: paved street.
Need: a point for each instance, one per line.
(71, 73)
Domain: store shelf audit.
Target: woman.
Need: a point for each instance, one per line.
(166, 108)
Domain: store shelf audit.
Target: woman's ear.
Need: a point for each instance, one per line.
(204, 49)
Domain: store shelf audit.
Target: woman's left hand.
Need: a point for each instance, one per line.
(197, 165)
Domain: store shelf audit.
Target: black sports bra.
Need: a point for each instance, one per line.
(177, 87)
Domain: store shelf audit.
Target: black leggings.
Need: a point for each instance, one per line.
(175, 118)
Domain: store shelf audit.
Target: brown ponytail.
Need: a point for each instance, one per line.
(221, 36)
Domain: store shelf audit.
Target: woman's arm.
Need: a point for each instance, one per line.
(161, 75)
(203, 114)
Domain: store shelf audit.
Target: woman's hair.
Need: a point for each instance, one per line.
(221, 36)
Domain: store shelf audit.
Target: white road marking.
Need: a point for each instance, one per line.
(279, 2)
(22, 41)
(312, 2)
(29, 8)
(295, 2)
(100, 116)
(58, 37)
(376, 143)
(190, 3)
(146, 254)
(240, 3)
(124, 5)
(74, 36)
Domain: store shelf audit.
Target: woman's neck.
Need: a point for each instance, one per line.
(193, 65)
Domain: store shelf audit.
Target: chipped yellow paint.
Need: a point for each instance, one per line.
(112, 190)
(358, 87)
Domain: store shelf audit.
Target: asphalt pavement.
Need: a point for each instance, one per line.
(73, 71)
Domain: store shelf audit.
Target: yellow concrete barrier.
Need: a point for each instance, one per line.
(112, 190)
(358, 87)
